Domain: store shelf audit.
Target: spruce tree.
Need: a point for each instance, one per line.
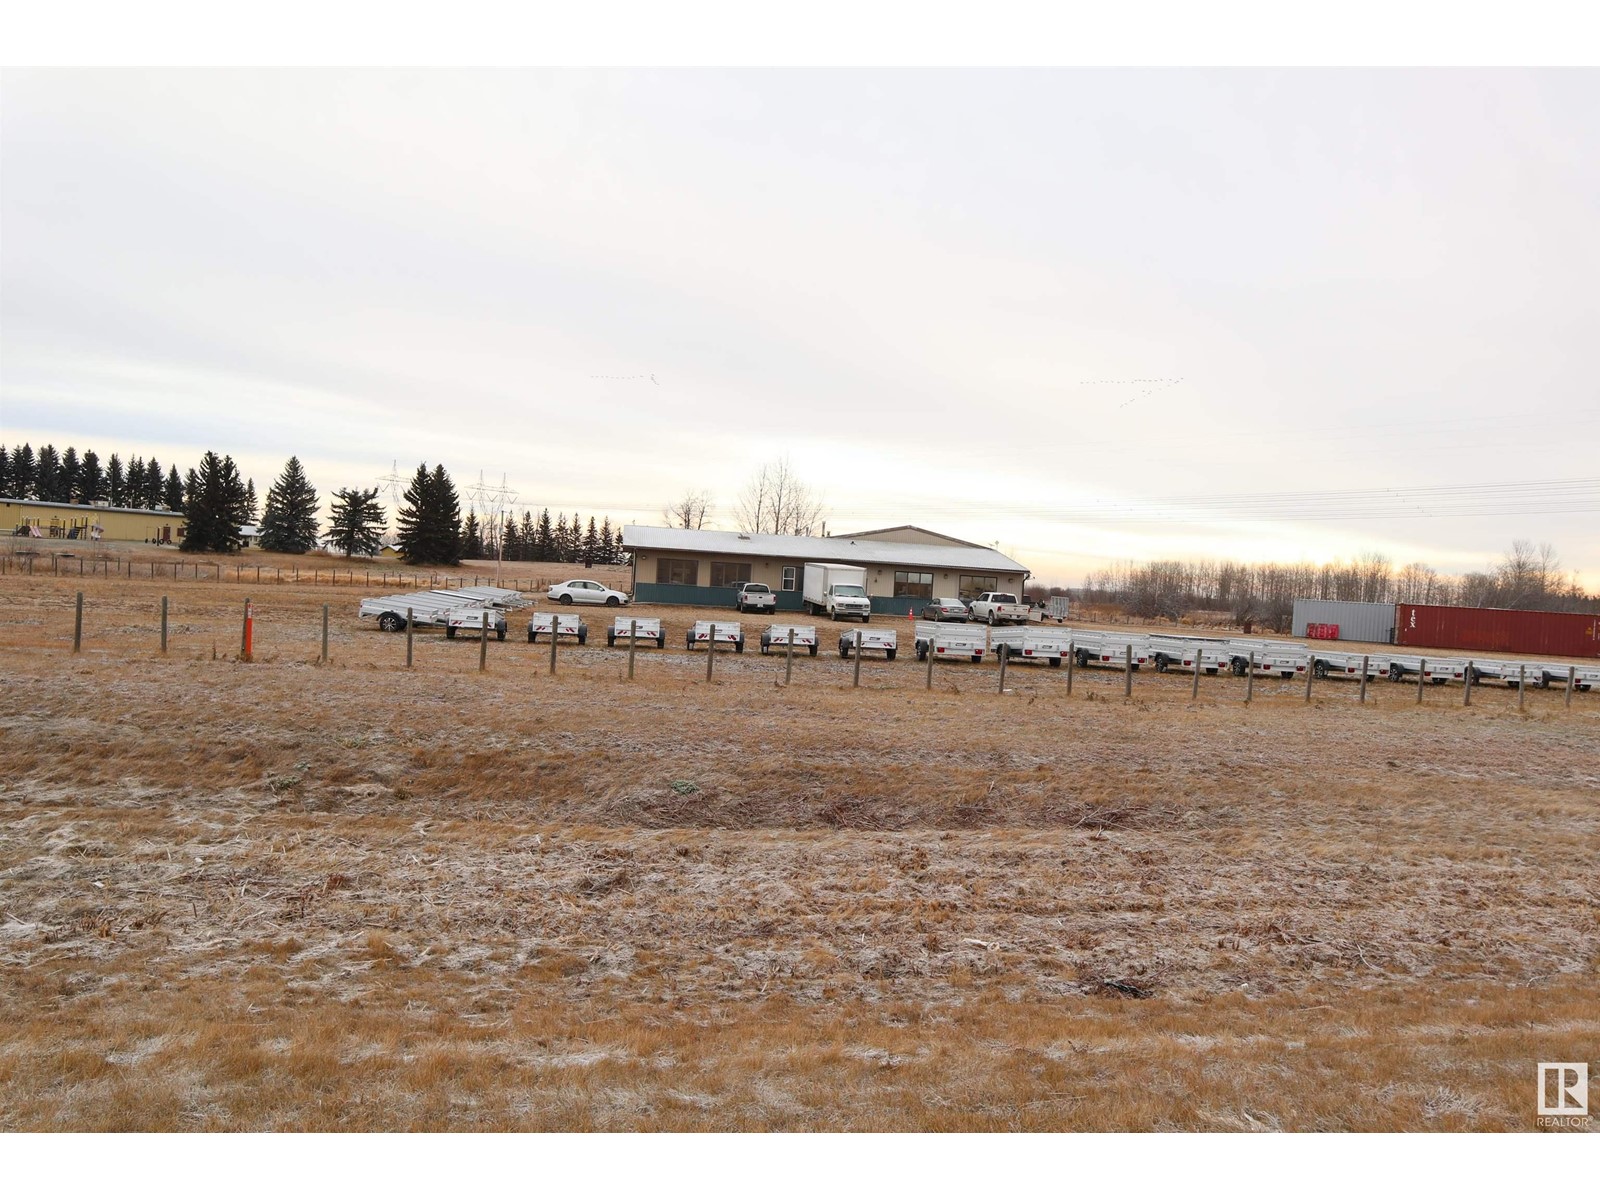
(430, 519)
(67, 481)
(135, 489)
(558, 544)
(154, 484)
(606, 553)
(91, 479)
(114, 481)
(544, 543)
(472, 537)
(357, 521)
(251, 504)
(49, 474)
(528, 539)
(24, 473)
(289, 523)
(591, 546)
(214, 508)
(511, 547)
(172, 495)
(5, 472)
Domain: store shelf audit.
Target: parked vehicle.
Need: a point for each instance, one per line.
(1283, 659)
(837, 590)
(561, 623)
(472, 621)
(1102, 648)
(998, 608)
(648, 629)
(868, 639)
(946, 608)
(1031, 645)
(1057, 609)
(1341, 664)
(728, 634)
(755, 597)
(802, 637)
(586, 591)
(950, 641)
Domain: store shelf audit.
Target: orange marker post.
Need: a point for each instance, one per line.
(248, 638)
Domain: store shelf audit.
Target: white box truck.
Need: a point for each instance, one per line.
(836, 590)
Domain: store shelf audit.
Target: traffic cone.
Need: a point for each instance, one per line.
(911, 613)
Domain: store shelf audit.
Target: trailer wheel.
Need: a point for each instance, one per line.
(763, 648)
(583, 637)
(1396, 675)
(889, 654)
(1285, 674)
(499, 635)
(922, 652)
(1161, 664)
(1319, 669)
(661, 642)
(1083, 658)
(844, 650)
(532, 637)
(1239, 666)
(688, 641)
(450, 631)
(738, 647)
(1056, 661)
(813, 649)
(611, 637)
(391, 622)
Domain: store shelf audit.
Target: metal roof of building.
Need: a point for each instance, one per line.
(818, 549)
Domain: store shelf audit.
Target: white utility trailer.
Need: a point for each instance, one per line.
(801, 637)
(1031, 644)
(728, 634)
(869, 639)
(1546, 675)
(472, 622)
(1058, 609)
(1341, 664)
(647, 629)
(1102, 648)
(946, 639)
(1397, 668)
(427, 608)
(564, 624)
(1283, 659)
(1173, 653)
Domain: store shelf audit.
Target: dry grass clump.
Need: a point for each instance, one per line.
(282, 895)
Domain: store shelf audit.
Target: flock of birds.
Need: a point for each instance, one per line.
(1145, 388)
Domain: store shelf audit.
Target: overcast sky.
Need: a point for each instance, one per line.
(1088, 315)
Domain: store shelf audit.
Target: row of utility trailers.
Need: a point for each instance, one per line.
(1494, 630)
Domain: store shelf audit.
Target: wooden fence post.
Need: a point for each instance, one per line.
(1072, 662)
(1004, 648)
(711, 649)
(1522, 685)
(324, 633)
(857, 680)
(1127, 670)
(1422, 675)
(1250, 678)
(555, 636)
(932, 641)
(1364, 663)
(1311, 671)
(77, 626)
(410, 625)
(163, 624)
(788, 658)
(483, 643)
(1572, 678)
(1466, 680)
(1194, 690)
(633, 638)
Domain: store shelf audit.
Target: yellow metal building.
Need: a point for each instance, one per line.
(88, 522)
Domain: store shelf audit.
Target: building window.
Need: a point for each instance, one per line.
(729, 574)
(968, 586)
(678, 570)
(789, 579)
(914, 583)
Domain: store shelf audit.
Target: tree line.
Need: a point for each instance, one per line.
(68, 478)
(1527, 576)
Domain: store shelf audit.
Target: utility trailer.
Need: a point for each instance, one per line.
(494, 597)
(648, 630)
(1101, 648)
(728, 634)
(801, 637)
(869, 639)
(945, 639)
(1545, 675)
(1397, 668)
(1283, 659)
(1031, 644)
(1058, 609)
(471, 620)
(564, 624)
(1341, 664)
(1170, 653)
(427, 608)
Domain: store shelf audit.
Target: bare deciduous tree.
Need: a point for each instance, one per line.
(689, 512)
(776, 501)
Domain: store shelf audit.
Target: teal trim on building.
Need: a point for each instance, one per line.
(896, 606)
(702, 597)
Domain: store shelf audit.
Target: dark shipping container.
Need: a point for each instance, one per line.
(1511, 630)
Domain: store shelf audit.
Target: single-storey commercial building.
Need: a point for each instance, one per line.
(905, 565)
(89, 522)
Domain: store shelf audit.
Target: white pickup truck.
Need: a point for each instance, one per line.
(755, 597)
(999, 608)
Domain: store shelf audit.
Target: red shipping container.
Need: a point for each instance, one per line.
(1509, 630)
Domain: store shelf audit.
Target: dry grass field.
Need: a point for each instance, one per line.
(286, 895)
